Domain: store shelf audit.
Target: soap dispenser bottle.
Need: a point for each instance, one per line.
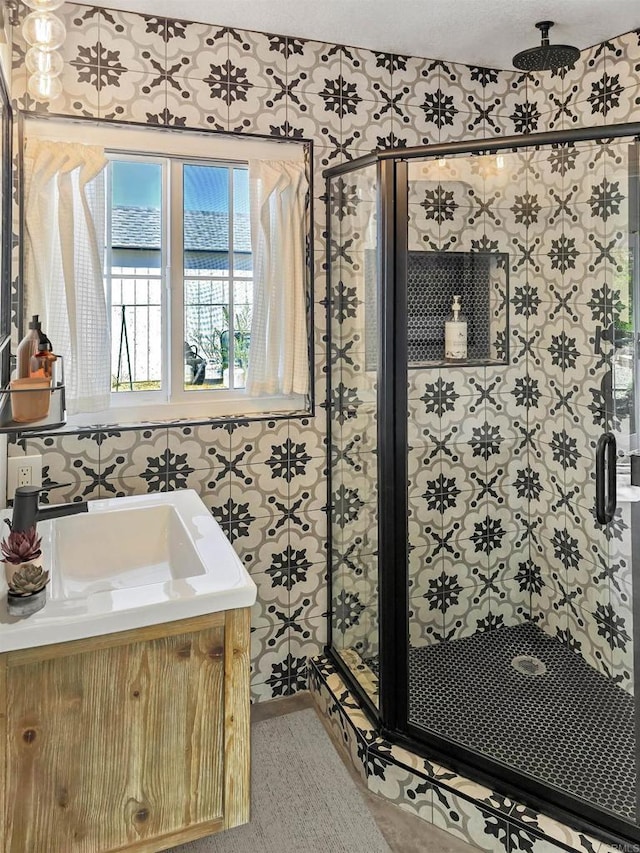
(27, 348)
(42, 361)
(455, 333)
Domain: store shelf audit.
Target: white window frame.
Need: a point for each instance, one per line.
(121, 142)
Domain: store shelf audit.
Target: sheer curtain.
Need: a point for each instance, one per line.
(278, 356)
(64, 254)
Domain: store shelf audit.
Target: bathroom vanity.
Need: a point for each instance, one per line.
(134, 739)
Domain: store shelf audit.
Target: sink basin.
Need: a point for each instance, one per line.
(145, 545)
(128, 563)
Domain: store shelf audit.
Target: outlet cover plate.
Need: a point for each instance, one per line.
(23, 471)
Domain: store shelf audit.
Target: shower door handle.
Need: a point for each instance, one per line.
(606, 459)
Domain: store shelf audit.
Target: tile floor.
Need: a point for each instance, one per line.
(403, 832)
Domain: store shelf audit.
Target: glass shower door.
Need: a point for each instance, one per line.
(353, 365)
(520, 615)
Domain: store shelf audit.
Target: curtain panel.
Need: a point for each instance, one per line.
(64, 262)
(278, 355)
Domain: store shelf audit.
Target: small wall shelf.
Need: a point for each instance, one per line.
(57, 415)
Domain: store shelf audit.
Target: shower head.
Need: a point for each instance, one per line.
(547, 57)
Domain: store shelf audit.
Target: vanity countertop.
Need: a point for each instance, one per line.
(129, 563)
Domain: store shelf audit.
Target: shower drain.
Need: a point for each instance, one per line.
(528, 665)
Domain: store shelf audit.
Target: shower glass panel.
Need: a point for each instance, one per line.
(352, 416)
(520, 600)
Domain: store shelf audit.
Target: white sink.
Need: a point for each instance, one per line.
(143, 545)
(127, 563)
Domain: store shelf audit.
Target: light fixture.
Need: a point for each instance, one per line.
(43, 30)
(45, 33)
(44, 5)
(47, 62)
(42, 87)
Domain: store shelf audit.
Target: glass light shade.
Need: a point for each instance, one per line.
(44, 5)
(48, 62)
(43, 30)
(44, 88)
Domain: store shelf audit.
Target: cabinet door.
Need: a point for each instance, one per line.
(112, 747)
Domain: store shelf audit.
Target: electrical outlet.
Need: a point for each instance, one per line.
(23, 471)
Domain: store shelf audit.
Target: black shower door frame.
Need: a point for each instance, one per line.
(392, 716)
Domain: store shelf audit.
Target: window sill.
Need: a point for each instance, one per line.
(164, 414)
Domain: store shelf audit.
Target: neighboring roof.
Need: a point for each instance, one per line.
(205, 230)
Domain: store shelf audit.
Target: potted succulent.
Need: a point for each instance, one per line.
(27, 581)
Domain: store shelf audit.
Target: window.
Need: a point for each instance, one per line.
(178, 272)
(191, 218)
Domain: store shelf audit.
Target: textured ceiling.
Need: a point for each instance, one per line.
(476, 32)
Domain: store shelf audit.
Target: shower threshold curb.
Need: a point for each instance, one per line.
(468, 810)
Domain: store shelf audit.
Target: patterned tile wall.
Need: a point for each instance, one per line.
(131, 67)
(263, 480)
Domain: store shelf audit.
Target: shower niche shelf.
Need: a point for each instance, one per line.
(482, 280)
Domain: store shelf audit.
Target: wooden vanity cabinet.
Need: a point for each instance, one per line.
(134, 741)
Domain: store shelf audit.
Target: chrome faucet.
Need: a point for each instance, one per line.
(27, 510)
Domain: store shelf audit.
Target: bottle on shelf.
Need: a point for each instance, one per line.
(42, 361)
(27, 348)
(455, 333)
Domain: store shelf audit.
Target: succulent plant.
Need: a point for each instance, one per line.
(28, 580)
(21, 546)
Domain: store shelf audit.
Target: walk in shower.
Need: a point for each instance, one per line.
(482, 512)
